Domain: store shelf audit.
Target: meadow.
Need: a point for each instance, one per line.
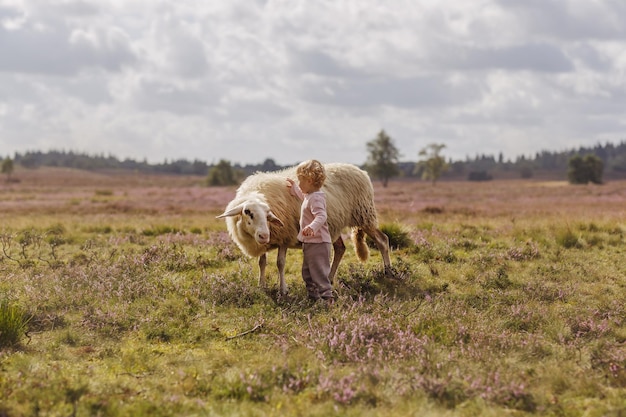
(127, 297)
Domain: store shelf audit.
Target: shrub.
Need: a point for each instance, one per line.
(105, 193)
(160, 230)
(398, 237)
(223, 174)
(433, 210)
(526, 172)
(479, 176)
(584, 170)
(13, 323)
(568, 239)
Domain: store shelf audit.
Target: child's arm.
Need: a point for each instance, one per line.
(295, 189)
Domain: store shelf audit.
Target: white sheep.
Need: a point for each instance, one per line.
(265, 216)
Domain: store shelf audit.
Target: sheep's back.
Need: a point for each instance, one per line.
(349, 198)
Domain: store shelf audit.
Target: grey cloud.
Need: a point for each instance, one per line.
(570, 20)
(47, 11)
(350, 86)
(160, 96)
(319, 63)
(16, 89)
(427, 91)
(188, 57)
(600, 107)
(75, 8)
(532, 57)
(8, 13)
(247, 111)
(185, 52)
(34, 53)
(91, 89)
(112, 51)
(590, 57)
(51, 51)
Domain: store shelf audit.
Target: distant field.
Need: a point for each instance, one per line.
(511, 301)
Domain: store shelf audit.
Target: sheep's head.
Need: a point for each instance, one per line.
(255, 219)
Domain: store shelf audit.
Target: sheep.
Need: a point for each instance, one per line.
(265, 216)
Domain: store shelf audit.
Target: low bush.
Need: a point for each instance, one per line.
(13, 323)
(568, 239)
(398, 237)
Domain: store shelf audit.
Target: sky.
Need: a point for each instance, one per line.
(248, 80)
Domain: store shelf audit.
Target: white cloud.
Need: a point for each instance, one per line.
(289, 79)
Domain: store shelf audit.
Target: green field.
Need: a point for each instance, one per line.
(123, 295)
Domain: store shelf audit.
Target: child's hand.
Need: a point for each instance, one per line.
(290, 182)
(308, 231)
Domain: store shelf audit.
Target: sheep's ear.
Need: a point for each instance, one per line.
(272, 218)
(232, 212)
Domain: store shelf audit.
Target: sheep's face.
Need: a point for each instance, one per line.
(254, 222)
(255, 217)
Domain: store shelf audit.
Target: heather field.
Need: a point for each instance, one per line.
(123, 295)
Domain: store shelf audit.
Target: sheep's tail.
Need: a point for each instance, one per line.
(360, 246)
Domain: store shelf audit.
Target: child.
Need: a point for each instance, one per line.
(314, 233)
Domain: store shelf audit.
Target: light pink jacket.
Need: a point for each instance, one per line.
(312, 214)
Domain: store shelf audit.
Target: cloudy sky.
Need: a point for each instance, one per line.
(246, 80)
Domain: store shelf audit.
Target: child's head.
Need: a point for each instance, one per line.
(313, 171)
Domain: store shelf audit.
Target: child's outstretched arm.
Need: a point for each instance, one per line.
(295, 189)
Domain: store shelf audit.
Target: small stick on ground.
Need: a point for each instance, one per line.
(254, 329)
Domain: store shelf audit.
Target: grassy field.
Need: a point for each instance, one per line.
(123, 295)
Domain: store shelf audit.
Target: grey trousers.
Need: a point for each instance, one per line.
(315, 269)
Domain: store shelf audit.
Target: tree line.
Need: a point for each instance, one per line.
(580, 166)
(101, 162)
(585, 164)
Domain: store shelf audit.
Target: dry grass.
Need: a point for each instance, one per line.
(503, 199)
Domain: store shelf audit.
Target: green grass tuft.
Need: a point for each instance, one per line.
(13, 323)
(568, 239)
(398, 236)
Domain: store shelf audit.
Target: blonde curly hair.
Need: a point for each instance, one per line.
(313, 170)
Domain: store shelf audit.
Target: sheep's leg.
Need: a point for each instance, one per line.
(262, 265)
(338, 250)
(382, 243)
(281, 260)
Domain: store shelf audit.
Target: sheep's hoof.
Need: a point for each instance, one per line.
(390, 273)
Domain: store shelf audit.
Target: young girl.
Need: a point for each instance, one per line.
(314, 233)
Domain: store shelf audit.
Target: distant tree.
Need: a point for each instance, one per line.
(457, 167)
(479, 176)
(382, 161)
(7, 168)
(222, 174)
(582, 170)
(618, 163)
(526, 171)
(269, 165)
(577, 174)
(199, 167)
(596, 168)
(433, 165)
